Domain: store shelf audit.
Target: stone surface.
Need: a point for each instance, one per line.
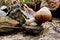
(48, 34)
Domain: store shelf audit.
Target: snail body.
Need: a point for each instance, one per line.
(41, 16)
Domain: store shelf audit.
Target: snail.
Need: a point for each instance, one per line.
(41, 16)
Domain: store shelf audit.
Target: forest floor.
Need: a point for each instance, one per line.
(49, 33)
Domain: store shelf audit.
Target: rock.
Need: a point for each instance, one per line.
(7, 24)
(33, 30)
(2, 14)
(51, 4)
(16, 14)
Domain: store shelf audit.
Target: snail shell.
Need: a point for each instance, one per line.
(43, 15)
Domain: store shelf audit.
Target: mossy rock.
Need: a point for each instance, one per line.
(6, 29)
(33, 30)
(6, 25)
